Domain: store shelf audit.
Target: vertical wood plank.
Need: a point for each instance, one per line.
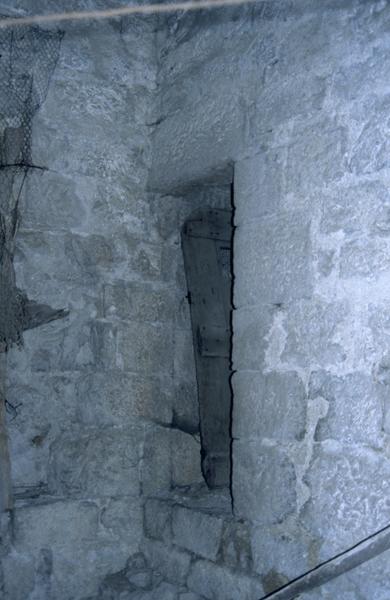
(5, 469)
(206, 243)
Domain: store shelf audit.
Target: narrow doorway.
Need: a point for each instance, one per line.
(207, 249)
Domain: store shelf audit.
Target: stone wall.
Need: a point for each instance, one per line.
(102, 404)
(295, 96)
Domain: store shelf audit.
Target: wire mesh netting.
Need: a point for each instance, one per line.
(28, 56)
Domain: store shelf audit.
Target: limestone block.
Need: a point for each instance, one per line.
(185, 404)
(189, 596)
(137, 301)
(355, 412)
(349, 495)
(56, 205)
(269, 406)
(91, 253)
(370, 153)
(197, 531)
(316, 156)
(143, 579)
(185, 407)
(186, 468)
(47, 268)
(156, 471)
(96, 462)
(355, 209)
(281, 554)
(116, 398)
(364, 257)
(70, 344)
(173, 564)
(251, 327)
(158, 519)
(191, 157)
(311, 328)
(299, 94)
(69, 530)
(164, 591)
(144, 348)
(257, 186)
(236, 547)
(272, 261)
(219, 583)
(154, 262)
(18, 571)
(263, 482)
(121, 520)
(103, 343)
(44, 404)
(84, 147)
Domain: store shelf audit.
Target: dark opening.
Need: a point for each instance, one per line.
(207, 248)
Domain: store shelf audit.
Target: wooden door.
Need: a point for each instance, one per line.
(206, 242)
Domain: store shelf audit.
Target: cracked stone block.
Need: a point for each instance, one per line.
(350, 490)
(272, 260)
(96, 462)
(263, 482)
(197, 531)
(117, 398)
(269, 406)
(137, 301)
(355, 409)
(251, 328)
(158, 519)
(219, 583)
(172, 563)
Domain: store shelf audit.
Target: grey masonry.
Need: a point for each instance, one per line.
(147, 119)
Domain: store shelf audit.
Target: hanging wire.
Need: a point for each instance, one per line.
(135, 9)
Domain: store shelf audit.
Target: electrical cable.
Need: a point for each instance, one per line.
(341, 563)
(135, 9)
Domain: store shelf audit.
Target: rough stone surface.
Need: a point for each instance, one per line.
(85, 393)
(277, 254)
(197, 532)
(158, 519)
(212, 581)
(273, 406)
(141, 116)
(171, 562)
(263, 482)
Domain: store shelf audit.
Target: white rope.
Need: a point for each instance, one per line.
(135, 9)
